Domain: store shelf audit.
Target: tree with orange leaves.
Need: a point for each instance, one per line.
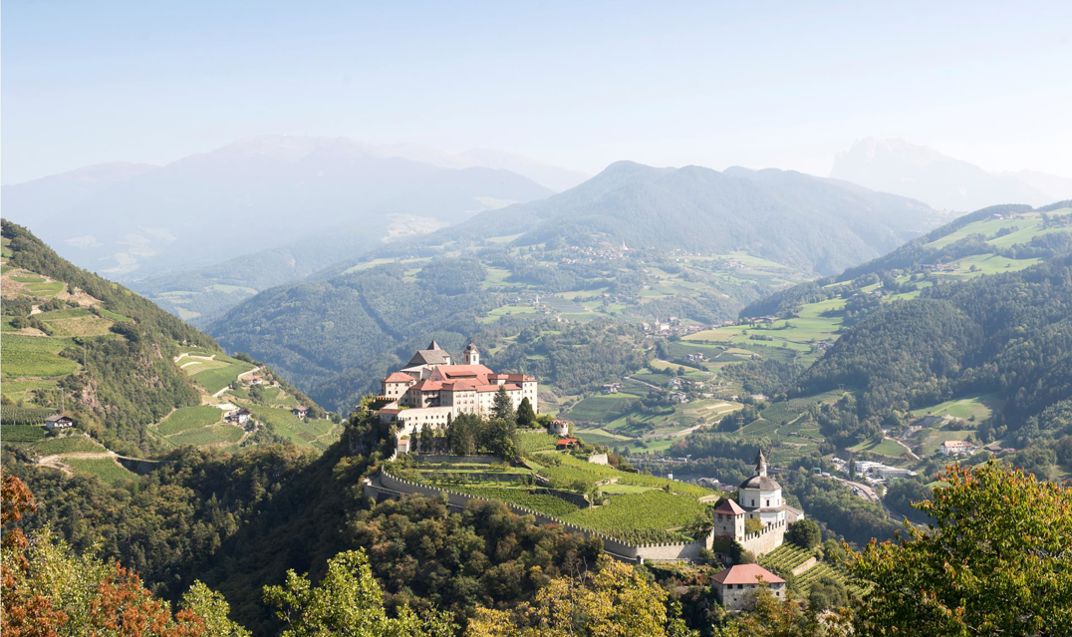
(49, 591)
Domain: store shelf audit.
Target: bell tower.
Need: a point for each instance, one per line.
(472, 354)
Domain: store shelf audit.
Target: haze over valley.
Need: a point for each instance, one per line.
(536, 319)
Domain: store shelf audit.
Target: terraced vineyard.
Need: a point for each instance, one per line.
(820, 571)
(157, 384)
(785, 558)
(632, 507)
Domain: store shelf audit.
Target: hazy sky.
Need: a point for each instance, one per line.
(579, 84)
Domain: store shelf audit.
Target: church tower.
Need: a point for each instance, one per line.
(472, 354)
(761, 464)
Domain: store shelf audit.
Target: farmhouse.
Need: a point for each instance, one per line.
(431, 390)
(239, 416)
(57, 422)
(300, 412)
(956, 448)
(736, 586)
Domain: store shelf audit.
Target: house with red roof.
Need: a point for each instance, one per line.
(432, 390)
(737, 585)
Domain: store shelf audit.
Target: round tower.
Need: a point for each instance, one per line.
(472, 354)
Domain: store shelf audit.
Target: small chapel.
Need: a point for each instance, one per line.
(758, 498)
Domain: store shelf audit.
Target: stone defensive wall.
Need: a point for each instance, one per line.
(766, 540)
(383, 484)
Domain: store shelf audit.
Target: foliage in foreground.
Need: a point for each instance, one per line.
(612, 600)
(347, 602)
(50, 590)
(997, 561)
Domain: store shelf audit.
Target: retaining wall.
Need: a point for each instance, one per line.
(766, 541)
(383, 484)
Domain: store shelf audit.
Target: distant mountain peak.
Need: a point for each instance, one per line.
(900, 167)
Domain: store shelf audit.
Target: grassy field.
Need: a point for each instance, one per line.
(75, 322)
(189, 418)
(214, 374)
(507, 310)
(107, 469)
(531, 441)
(35, 356)
(21, 433)
(319, 434)
(932, 440)
(884, 447)
(213, 435)
(66, 444)
(525, 497)
(601, 436)
(601, 408)
(972, 408)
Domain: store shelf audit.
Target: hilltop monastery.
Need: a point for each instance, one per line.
(431, 390)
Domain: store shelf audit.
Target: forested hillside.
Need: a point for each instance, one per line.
(1008, 335)
(634, 244)
(961, 336)
(135, 379)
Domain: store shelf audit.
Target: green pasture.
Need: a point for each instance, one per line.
(213, 435)
(932, 440)
(601, 408)
(319, 434)
(11, 434)
(35, 356)
(75, 322)
(973, 408)
(107, 469)
(65, 444)
(22, 389)
(524, 496)
(188, 418)
(884, 447)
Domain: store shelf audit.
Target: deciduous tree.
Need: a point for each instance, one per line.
(996, 561)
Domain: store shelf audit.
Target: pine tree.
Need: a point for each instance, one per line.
(526, 416)
(504, 407)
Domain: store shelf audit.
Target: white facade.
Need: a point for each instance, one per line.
(431, 390)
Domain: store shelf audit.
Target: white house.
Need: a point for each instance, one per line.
(58, 422)
(956, 448)
(736, 586)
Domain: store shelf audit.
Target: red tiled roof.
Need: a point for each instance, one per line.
(495, 387)
(566, 441)
(727, 505)
(466, 384)
(747, 574)
(444, 372)
(428, 385)
(398, 377)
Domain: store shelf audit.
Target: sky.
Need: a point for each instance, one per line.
(576, 84)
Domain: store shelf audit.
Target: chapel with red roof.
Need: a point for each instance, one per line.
(431, 390)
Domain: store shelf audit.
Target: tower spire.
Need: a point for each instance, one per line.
(761, 464)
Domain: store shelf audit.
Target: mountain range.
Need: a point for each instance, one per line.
(286, 206)
(893, 165)
(632, 244)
